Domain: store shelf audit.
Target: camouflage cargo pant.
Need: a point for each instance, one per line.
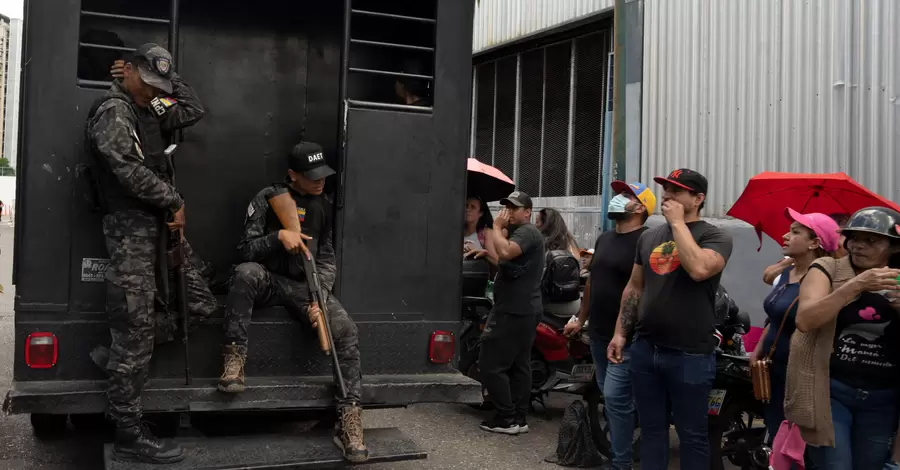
(131, 241)
(254, 286)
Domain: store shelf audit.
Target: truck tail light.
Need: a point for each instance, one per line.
(41, 350)
(441, 347)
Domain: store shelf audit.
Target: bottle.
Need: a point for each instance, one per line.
(489, 291)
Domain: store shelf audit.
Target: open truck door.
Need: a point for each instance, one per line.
(269, 73)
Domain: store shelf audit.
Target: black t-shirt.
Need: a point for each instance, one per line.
(610, 270)
(518, 287)
(676, 311)
(863, 356)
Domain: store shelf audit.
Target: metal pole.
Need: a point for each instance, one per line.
(173, 29)
(543, 122)
(518, 119)
(618, 150)
(342, 134)
(494, 119)
(570, 143)
(474, 129)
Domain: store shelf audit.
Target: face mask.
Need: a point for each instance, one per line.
(617, 209)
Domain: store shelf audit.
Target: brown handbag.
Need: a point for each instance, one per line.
(759, 371)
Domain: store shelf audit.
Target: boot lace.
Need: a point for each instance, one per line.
(234, 364)
(351, 425)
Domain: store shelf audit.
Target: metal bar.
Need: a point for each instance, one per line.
(91, 45)
(112, 16)
(342, 141)
(543, 122)
(389, 106)
(517, 128)
(391, 74)
(174, 17)
(474, 131)
(570, 144)
(494, 119)
(391, 45)
(393, 16)
(92, 83)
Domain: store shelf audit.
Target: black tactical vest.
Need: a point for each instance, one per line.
(112, 196)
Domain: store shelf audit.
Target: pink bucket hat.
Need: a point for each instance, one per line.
(825, 228)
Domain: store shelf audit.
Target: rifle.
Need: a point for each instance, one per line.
(318, 295)
(171, 255)
(285, 209)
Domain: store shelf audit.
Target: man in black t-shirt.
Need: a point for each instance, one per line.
(505, 358)
(610, 270)
(669, 306)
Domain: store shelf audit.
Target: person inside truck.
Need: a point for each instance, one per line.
(410, 90)
(477, 235)
(125, 130)
(271, 274)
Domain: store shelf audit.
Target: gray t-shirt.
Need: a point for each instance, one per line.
(676, 311)
(517, 290)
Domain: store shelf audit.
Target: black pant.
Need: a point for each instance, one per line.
(505, 361)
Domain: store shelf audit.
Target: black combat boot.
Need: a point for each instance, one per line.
(232, 379)
(348, 433)
(138, 444)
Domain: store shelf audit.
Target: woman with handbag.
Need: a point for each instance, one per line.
(843, 387)
(811, 236)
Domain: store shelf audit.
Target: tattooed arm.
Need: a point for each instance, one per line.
(628, 314)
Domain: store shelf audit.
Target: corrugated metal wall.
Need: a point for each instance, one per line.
(739, 87)
(501, 21)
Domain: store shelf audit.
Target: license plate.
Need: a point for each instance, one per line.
(583, 373)
(716, 398)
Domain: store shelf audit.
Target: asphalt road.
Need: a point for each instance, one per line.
(449, 433)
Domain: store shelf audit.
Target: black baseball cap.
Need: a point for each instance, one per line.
(687, 179)
(307, 158)
(518, 199)
(154, 63)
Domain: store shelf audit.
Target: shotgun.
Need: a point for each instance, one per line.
(318, 295)
(285, 209)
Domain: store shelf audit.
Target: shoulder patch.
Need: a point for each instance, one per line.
(251, 209)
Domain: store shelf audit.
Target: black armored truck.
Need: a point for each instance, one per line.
(269, 73)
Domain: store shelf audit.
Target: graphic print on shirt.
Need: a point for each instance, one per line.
(664, 258)
(863, 342)
(301, 214)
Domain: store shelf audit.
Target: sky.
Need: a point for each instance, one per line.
(11, 8)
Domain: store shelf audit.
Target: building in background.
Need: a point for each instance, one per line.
(4, 74)
(13, 74)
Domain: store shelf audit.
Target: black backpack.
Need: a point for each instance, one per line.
(562, 277)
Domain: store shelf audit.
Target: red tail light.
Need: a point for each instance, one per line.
(441, 347)
(41, 350)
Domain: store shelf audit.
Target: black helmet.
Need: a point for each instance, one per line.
(879, 220)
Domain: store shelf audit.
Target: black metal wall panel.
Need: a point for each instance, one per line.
(531, 121)
(590, 93)
(484, 113)
(556, 120)
(504, 148)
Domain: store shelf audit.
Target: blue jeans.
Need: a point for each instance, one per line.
(864, 425)
(614, 381)
(664, 377)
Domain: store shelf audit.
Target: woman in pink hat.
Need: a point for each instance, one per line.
(811, 236)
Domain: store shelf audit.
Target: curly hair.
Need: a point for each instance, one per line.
(556, 233)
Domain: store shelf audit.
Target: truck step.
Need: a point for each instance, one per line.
(313, 449)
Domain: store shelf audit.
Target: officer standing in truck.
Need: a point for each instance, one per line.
(127, 131)
(271, 274)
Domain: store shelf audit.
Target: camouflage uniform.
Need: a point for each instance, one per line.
(271, 276)
(136, 182)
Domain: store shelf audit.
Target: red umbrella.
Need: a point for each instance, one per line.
(767, 194)
(487, 182)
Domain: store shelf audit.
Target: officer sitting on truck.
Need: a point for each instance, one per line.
(271, 273)
(125, 131)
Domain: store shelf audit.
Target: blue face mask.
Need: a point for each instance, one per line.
(617, 208)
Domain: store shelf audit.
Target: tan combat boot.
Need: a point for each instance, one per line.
(232, 380)
(349, 434)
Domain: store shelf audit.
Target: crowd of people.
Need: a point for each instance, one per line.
(649, 308)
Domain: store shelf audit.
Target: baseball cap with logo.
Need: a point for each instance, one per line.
(154, 63)
(307, 158)
(638, 190)
(685, 178)
(517, 199)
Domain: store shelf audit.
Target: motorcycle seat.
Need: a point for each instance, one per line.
(554, 321)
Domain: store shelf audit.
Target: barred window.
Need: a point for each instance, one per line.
(560, 92)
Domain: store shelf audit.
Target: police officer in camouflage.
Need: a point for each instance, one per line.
(128, 130)
(271, 273)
